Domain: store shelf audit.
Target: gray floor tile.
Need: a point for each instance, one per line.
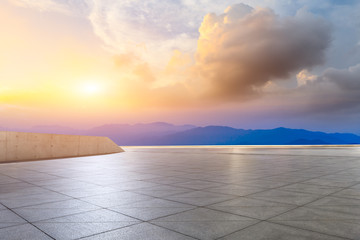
(53, 210)
(253, 208)
(155, 208)
(115, 199)
(168, 180)
(336, 201)
(13, 187)
(140, 231)
(7, 180)
(66, 183)
(206, 229)
(348, 193)
(35, 199)
(95, 216)
(23, 192)
(332, 182)
(237, 190)
(260, 212)
(340, 228)
(357, 186)
(8, 218)
(262, 183)
(198, 184)
(133, 185)
(288, 197)
(155, 202)
(78, 230)
(162, 191)
(147, 214)
(250, 202)
(270, 231)
(23, 232)
(203, 214)
(310, 188)
(87, 192)
(200, 198)
(319, 213)
(204, 223)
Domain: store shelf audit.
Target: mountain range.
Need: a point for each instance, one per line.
(161, 133)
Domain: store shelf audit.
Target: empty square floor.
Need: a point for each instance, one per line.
(167, 193)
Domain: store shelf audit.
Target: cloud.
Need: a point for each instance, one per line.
(145, 28)
(42, 5)
(346, 79)
(122, 61)
(244, 48)
(334, 90)
(144, 72)
(79, 7)
(304, 77)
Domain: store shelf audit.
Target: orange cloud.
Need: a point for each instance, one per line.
(143, 72)
(244, 48)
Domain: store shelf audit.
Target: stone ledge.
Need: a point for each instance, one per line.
(21, 146)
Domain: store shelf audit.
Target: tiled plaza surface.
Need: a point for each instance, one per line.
(185, 193)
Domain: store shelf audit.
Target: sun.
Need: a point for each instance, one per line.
(90, 87)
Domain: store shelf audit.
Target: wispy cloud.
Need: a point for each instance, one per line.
(79, 7)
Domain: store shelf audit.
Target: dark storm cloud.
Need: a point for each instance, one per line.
(335, 90)
(244, 48)
(346, 79)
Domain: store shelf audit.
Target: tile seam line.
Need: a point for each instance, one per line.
(108, 231)
(175, 231)
(115, 229)
(28, 222)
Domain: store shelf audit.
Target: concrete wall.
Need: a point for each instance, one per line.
(20, 146)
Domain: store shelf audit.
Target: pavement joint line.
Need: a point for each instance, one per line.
(107, 231)
(27, 222)
(175, 231)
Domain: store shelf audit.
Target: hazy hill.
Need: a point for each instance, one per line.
(138, 134)
(217, 135)
(54, 129)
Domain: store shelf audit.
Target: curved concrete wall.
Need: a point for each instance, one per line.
(20, 146)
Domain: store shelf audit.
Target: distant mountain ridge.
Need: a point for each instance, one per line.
(161, 133)
(137, 134)
(218, 135)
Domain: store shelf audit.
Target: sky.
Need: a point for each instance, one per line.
(241, 63)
